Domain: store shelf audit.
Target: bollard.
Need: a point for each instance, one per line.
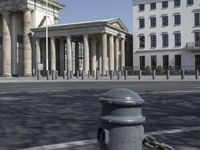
(47, 74)
(64, 75)
(125, 74)
(38, 75)
(88, 74)
(97, 75)
(197, 74)
(168, 74)
(139, 75)
(182, 74)
(153, 74)
(111, 74)
(77, 74)
(53, 73)
(121, 121)
(56, 77)
(119, 75)
(82, 75)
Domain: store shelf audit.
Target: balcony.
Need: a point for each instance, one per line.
(193, 46)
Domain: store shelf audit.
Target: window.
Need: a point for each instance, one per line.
(152, 6)
(1, 41)
(153, 21)
(190, 2)
(165, 4)
(153, 41)
(141, 7)
(197, 39)
(165, 40)
(177, 39)
(142, 41)
(177, 19)
(164, 20)
(177, 3)
(141, 23)
(197, 19)
(153, 62)
(20, 39)
(165, 62)
(177, 62)
(142, 62)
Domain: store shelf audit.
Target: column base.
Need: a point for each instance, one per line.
(27, 75)
(7, 75)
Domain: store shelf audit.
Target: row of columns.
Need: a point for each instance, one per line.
(6, 41)
(103, 53)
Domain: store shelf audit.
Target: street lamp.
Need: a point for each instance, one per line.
(47, 41)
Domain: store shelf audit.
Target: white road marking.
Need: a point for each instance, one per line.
(94, 141)
(170, 92)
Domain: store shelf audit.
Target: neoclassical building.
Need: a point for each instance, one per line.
(88, 46)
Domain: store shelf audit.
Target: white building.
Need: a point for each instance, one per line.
(166, 33)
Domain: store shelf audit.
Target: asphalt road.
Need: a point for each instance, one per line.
(35, 114)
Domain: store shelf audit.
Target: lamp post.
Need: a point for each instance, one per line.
(47, 42)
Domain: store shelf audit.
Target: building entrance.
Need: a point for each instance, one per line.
(197, 62)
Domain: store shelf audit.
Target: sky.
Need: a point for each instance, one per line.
(88, 10)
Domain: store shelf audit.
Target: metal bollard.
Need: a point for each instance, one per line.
(53, 73)
(121, 121)
(140, 75)
(168, 74)
(111, 74)
(119, 75)
(197, 74)
(56, 76)
(125, 74)
(97, 75)
(82, 75)
(77, 74)
(153, 74)
(47, 74)
(64, 75)
(182, 74)
(38, 75)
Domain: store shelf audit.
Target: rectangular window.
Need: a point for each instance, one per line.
(153, 62)
(142, 41)
(165, 40)
(164, 20)
(177, 39)
(177, 20)
(141, 23)
(1, 41)
(152, 6)
(197, 39)
(20, 39)
(190, 2)
(153, 21)
(177, 3)
(165, 4)
(153, 41)
(141, 7)
(177, 62)
(165, 62)
(142, 62)
(197, 19)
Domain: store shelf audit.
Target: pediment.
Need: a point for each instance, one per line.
(117, 23)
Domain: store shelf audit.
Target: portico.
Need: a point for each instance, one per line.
(85, 46)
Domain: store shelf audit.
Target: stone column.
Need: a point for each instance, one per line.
(86, 54)
(53, 54)
(117, 53)
(27, 43)
(111, 52)
(37, 50)
(93, 54)
(76, 56)
(100, 57)
(104, 53)
(122, 53)
(69, 54)
(6, 45)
